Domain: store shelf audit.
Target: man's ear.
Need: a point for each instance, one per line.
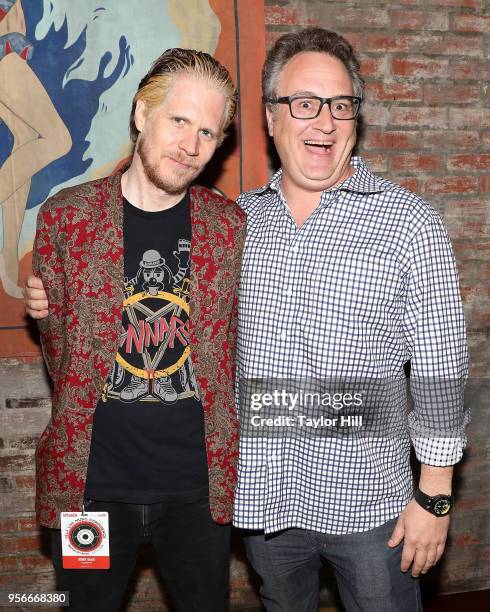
(140, 115)
(269, 113)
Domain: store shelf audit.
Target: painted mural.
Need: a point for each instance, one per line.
(68, 71)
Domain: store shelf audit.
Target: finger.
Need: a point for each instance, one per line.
(35, 294)
(431, 560)
(36, 304)
(397, 535)
(419, 561)
(34, 282)
(408, 554)
(37, 314)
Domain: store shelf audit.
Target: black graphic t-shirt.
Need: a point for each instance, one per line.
(148, 432)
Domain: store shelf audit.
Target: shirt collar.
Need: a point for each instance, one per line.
(363, 181)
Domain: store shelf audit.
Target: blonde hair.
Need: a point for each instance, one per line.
(155, 85)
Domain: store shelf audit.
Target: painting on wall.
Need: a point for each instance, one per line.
(68, 72)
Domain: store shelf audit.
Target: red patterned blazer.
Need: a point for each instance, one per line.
(78, 253)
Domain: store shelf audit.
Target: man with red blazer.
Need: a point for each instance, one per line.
(141, 271)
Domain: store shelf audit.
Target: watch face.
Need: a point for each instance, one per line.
(442, 507)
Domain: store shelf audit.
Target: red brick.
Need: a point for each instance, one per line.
(356, 39)
(419, 116)
(415, 162)
(467, 22)
(451, 184)
(485, 140)
(474, 117)
(449, 93)
(459, 227)
(485, 184)
(421, 68)
(18, 543)
(468, 162)
(469, 206)
(383, 139)
(8, 563)
(15, 463)
(409, 182)
(8, 525)
(383, 43)
(375, 67)
(458, 44)
(25, 482)
(430, 43)
(456, 139)
(375, 114)
(11, 580)
(462, 3)
(378, 162)
(419, 20)
(281, 15)
(394, 91)
(34, 562)
(28, 524)
(469, 69)
(350, 17)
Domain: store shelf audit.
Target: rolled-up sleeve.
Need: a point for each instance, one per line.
(435, 334)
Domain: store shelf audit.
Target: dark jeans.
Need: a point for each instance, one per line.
(192, 552)
(367, 570)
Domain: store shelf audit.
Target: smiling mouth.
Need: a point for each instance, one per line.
(183, 164)
(318, 145)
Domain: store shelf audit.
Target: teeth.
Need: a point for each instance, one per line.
(318, 143)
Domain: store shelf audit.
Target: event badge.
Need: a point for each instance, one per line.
(85, 540)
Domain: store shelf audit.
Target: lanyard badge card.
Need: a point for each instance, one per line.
(85, 540)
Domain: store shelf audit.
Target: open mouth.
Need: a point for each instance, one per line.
(318, 145)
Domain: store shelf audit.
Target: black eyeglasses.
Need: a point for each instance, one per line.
(309, 107)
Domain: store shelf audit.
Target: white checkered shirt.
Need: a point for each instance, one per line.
(368, 283)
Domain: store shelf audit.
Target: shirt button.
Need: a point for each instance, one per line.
(283, 335)
(273, 457)
(295, 248)
(289, 292)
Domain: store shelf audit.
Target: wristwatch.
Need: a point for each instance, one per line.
(438, 505)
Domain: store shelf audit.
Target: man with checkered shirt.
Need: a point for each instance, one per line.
(345, 278)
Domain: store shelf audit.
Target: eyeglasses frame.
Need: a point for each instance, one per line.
(288, 99)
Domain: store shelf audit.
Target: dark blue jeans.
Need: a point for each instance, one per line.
(367, 570)
(192, 553)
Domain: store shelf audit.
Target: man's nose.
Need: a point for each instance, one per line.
(190, 143)
(325, 121)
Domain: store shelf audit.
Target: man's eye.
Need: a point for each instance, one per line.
(340, 106)
(305, 104)
(178, 120)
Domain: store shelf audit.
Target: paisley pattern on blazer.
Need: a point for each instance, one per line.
(78, 253)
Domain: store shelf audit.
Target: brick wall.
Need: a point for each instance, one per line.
(426, 126)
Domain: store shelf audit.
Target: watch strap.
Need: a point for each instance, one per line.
(427, 501)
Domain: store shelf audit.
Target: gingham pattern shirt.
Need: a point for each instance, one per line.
(368, 283)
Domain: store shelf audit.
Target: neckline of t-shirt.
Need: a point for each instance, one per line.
(158, 214)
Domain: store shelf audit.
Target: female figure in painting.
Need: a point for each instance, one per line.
(198, 24)
(40, 136)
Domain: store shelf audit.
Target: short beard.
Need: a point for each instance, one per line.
(151, 172)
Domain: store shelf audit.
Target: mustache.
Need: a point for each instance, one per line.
(182, 158)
